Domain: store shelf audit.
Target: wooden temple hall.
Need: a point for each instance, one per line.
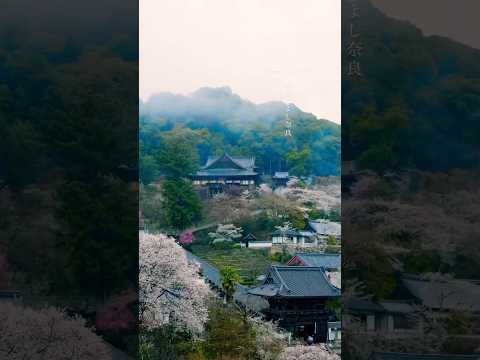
(297, 297)
(224, 170)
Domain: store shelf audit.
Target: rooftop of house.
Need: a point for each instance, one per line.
(454, 294)
(249, 237)
(325, 227)
(293, 232)
(325, 260)
(295, 282)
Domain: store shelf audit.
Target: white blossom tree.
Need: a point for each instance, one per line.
(225, 233)
(284, 229)
(171, 289)
(47, 333)
(270, 340)
(302, 352)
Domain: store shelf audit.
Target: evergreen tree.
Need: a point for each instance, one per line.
(180, 203)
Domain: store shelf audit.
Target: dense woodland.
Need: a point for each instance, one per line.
(216, 120)
(411, 121)
(68, 128)
(416, 93)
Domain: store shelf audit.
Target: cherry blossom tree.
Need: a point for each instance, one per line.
(47, 333)
(226, 233)
(302, 352)
(270, 340)
(171, 289)
(186, 238)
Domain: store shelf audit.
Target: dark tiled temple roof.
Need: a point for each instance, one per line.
(245, 163)
(225, 172)
(327, 261)
(295, 281)
(452, 294)
(354, 305)
(226, 165)
(407, 356)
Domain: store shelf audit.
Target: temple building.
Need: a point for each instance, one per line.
(221, 171)
(280, 179)
(330, 262)
(297, 297)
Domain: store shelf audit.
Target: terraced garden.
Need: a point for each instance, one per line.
(250, 263)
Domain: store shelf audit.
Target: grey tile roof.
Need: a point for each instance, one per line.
(397, 307)
(225, 172)
(251, 302)
(295, 281)
(327, 261)
(448, 295)
(286, 233)
(325, 227)
(407, 356)
(354, 305)
(208, 271)
(246, 163)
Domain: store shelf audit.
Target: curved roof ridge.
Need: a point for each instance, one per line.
(328, 281)
(280, 278)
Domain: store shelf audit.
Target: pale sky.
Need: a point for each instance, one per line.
(264, 50)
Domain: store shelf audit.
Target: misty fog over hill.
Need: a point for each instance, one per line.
(232, 123)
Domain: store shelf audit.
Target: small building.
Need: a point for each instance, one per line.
(280, 179)
(387, 317)
(294, 237)
(223, 171)
(444, 295)
(330, 262)
(297, 299)
(250, 241)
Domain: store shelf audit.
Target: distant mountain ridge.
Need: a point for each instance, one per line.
(213, 104)
(230, 123)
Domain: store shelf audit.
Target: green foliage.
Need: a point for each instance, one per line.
(335, 305)
(297, 219)
(425, 261)
(180, 204)
(332, 240)
(299, 162)
(248, 262)
(151, 206)
(332, 214)
(281, 257)
(167, 343)
(459, 323)
(313, 148)
(230, 278)
(148, 169)
(90, 215)
(229, 335)
(178, 158)
(21, 154)
(426, 115)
